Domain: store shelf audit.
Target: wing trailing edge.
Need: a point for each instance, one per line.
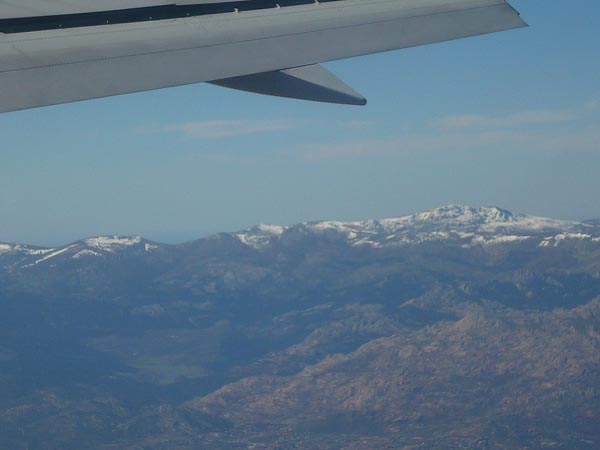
(313, 83)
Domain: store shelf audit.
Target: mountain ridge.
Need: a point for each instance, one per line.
(482, 225)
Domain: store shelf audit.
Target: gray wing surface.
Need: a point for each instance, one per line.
(59, 66)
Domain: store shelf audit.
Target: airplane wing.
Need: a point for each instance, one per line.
(11, 9)
(59, 51)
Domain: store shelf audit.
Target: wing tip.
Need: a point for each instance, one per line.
(522, 22)
(358, 100)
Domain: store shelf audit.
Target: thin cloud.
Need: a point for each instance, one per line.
(585, 139)
(358, 124)
(592, 105)
(574, 130)
(525, 118)
(217, 129)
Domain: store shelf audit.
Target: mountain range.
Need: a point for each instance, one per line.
(457, 327)
(469, 226)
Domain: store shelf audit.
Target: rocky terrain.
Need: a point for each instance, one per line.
(459, 327)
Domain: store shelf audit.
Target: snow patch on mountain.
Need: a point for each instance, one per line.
(499, 240)
(37, 251)
(260, 236)
(84, 253)
(275, 230)
(365, 227)
(555, 241)
(17, 249)
(51, 255)
(111, 243)
(6, 248)
(149, 247)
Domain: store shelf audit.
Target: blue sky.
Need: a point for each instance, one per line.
(511, 119)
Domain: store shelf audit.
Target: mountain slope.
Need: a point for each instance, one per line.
(456, 383)
(454, 328)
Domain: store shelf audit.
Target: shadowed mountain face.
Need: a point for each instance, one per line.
(454, 328)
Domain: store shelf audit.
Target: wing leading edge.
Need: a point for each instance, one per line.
(273, 51)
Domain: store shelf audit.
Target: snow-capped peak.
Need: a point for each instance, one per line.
(26, 256)
(461, 224)
(110, 243)
(484, 220)
(460, 216)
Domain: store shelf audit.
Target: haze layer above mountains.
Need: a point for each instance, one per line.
(455, 328)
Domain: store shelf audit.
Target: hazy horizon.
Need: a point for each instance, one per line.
(181, 237)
